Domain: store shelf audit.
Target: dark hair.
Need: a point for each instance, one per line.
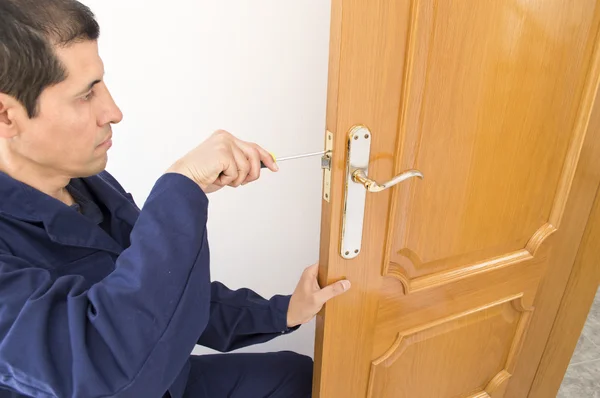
(29, 30)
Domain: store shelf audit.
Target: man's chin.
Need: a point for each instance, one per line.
(95, 169)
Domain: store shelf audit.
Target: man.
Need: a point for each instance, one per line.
(98, 298)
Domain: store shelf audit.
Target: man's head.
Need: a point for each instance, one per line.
(55, 110)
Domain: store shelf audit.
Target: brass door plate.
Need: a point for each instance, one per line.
(359, 150)
(326, 164)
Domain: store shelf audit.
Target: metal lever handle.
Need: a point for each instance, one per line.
(360, 177)
(357, 184)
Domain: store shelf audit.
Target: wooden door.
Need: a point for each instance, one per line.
(461, 274)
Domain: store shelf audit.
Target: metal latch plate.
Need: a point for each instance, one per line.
(326, 165)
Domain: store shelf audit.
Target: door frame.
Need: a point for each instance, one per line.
(574, 308)
(577, 300)
(579, 289)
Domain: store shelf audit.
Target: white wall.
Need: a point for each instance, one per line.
(181, 69)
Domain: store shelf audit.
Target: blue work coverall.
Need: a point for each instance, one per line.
(112, 304)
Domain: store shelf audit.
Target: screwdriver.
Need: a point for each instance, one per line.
(305, 155)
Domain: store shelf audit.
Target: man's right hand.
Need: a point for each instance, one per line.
(223, 160)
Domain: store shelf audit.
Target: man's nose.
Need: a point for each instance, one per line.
(110, 113)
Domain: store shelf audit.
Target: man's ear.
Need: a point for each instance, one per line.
(8, 112)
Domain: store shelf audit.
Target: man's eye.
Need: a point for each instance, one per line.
(88, 96)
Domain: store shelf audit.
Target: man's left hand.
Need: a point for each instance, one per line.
(309, 298)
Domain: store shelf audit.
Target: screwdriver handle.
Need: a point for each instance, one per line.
(263, 166)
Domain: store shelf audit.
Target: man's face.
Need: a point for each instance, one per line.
(71, 134)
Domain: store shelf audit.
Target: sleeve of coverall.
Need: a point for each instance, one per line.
(242, 318)
(115, 338)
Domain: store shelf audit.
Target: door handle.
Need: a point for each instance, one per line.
(356, 187)
(360, 177)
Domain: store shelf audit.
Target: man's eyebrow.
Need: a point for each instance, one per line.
(89, 87)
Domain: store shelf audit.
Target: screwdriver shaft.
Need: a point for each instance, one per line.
(305, 155)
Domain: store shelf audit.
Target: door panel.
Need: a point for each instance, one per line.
(460, 274)
(488, 119)
(413, 362)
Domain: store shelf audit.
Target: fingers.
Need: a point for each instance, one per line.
(229, 172)
(252, 154)
(267, 159)
(310, 277)
(256, 155)
(331, 291)
(243, 166)
(312, 271)
(308, 298)
(234, 162)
